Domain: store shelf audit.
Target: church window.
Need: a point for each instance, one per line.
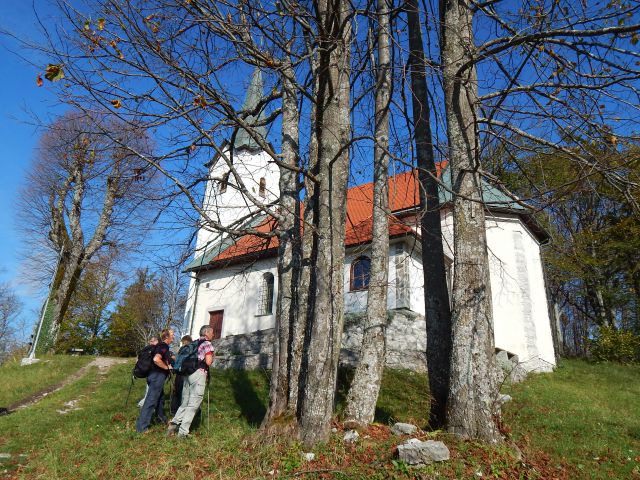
(224, 181)
(265, 306)
(360, 270)
(263, 187)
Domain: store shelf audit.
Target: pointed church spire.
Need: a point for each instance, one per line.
(254, 95)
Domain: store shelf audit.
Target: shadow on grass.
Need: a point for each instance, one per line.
(252, 407)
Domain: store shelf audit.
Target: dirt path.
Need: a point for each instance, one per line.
(102, 363)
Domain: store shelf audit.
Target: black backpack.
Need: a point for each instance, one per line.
(187, 360)
(144, 362)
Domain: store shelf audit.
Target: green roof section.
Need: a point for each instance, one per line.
(491, 194)
(253, 97)
(219, 247)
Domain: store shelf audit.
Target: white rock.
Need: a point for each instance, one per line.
(415, 452)
(504, 398)
(404, 429)
(334, 430)
(5, 456)
(351, 436)
(309, 457)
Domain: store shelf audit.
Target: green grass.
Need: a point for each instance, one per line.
(20, 382)
(561, 421)
(585, 414)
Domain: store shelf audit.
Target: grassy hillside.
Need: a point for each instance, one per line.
(97, 440)
(21, 382)
(585, 414)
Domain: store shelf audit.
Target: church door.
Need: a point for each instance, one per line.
(215, 320)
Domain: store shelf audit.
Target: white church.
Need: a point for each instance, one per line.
(234, 281)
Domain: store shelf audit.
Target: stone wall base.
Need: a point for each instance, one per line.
(406, 344)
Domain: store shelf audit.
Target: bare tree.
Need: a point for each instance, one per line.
(436, 294)
(84, 190)
(537, 72)
(365, 387)
(10, 309)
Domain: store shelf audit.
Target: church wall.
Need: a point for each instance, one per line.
(521, 318)
(235, 290)
(540, 310)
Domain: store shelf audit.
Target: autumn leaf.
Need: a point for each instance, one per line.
(87, 25)
(39, 81)
(101, 24)
(116, 103)
(54, 73)
(199, 101)
(634, 39)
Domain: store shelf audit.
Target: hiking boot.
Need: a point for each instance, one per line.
(172, 429)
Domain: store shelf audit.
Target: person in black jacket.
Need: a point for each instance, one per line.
(154, 401)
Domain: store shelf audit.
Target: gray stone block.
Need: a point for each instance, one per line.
(403, 429)
(351, 436)
(417, 453)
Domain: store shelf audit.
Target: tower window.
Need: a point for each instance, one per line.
(263, 187)
(265, 306)
(360, 270)
(224, 181)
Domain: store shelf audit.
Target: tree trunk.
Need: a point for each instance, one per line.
(473, 388)
(333, 131)
(556, 332)
(283, 391)
(363, 394)
(436, 295)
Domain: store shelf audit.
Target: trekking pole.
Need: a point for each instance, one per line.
(171, 380)
(126, 403)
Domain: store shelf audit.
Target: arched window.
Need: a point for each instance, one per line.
(265, 306)
(360, 270)
(263, 187)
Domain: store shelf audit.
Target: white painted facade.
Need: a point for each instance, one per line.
(521, 318)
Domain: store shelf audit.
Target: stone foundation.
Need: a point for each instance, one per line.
(406, 348)
(406, 344)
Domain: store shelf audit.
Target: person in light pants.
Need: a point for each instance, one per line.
(194, 386)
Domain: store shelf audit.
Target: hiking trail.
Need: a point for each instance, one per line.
(102, 363)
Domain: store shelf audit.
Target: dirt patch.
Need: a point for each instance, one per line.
(102, 363)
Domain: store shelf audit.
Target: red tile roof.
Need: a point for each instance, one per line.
(403, 195)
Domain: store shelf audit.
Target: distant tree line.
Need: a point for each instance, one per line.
(108, 317)
(592, 262)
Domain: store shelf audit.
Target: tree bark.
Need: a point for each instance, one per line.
(283, 394)
(363, 393)
(333, 131)
(436, 294)
(473, 388)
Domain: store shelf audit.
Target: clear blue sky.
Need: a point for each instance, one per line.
(21, 99)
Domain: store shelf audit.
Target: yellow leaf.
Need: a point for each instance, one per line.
(116, 103)
(101, 23)
(53, 73)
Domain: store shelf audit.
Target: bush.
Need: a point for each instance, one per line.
(615, 345)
